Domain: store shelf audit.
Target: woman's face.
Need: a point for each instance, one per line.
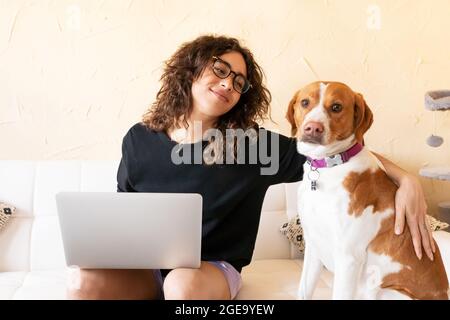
(213, 96)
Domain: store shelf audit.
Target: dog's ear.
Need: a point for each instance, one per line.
(290, 114)
(363, 117)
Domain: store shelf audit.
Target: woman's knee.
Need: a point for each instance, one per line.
(205, 283)
(112, 284)
(84, 284)
(182, 285)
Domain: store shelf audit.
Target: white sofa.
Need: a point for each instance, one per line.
(32, 263)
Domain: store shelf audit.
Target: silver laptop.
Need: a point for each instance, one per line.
(116, 230)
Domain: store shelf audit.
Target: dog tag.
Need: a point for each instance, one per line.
(313, 176)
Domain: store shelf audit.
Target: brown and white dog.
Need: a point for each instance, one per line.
(346, 205)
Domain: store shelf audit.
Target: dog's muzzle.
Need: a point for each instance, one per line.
(312, 139)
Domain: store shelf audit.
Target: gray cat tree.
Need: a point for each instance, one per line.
(438, 101)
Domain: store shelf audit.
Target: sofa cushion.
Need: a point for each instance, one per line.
(45, 285)
(278, 279)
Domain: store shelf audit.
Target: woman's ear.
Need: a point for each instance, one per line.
(290, 115)
(363, 117)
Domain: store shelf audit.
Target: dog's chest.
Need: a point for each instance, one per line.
(327, 203)
(325, 214)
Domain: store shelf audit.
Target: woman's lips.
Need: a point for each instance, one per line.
(218, 95)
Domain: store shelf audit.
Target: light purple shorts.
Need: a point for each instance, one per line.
(233, 277)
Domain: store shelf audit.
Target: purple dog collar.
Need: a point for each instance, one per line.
(336, 159)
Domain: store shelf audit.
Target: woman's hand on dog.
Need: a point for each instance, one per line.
(410, 204)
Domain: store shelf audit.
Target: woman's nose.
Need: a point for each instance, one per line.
(227, 83)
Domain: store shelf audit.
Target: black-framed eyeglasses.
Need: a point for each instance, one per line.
(222, 69)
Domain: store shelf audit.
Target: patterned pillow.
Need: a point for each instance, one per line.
(294, 232)
(5, 213)
(436, 224)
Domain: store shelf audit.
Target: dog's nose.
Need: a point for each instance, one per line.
(314, 129)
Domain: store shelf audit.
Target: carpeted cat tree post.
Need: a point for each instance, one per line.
(438, 101)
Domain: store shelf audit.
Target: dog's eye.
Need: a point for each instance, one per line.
(336, 107)
(305, 103)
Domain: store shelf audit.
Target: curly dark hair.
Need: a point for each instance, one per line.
(174, 99)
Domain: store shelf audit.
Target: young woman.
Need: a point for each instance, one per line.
(214, 83)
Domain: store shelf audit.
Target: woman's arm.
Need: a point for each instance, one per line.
(410, 203)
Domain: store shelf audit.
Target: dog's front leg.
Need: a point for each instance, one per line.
(312, 267)
(347, 273)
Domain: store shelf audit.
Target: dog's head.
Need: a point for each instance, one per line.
(327, 118)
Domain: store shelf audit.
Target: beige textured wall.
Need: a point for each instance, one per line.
(75, 75)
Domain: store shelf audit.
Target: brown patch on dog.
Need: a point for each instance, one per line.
(369, 189)
(290, 114)
(363, 117)
(418, 279)
(296, 113)
(342, 124)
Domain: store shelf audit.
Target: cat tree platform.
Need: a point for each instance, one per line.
(440, 173)
(437, 100)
